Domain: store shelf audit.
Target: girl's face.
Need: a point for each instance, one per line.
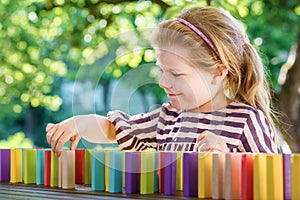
(187, 87)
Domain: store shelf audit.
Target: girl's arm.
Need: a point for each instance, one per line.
(94, 128)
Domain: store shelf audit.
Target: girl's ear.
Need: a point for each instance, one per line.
(220, 73)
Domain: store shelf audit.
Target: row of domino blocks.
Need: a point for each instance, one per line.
(205, 175)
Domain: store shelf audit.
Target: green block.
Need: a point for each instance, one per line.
(29, 166)
(147, 172)
(54, 170)
(88, 167)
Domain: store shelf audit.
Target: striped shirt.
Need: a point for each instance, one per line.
(242, 127)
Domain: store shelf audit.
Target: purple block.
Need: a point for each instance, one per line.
(4, 165)
(287, 176)
(170, 173)
(131, 172)
(190, 174)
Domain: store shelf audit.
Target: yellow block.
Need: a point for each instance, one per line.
(106, 171)
(123, 170)
(204, 175)
(274, 176)
(179, 175)
(295, 176)
(260, 177)
(16, 165)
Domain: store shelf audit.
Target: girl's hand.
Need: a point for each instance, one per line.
(59, 134)
(210, 142)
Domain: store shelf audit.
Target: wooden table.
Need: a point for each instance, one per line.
(32, 192)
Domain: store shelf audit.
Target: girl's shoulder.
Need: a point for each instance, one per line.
(243, 108)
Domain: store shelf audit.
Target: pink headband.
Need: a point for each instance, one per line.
(198, 32)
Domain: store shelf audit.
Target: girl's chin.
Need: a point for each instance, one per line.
(185, 106)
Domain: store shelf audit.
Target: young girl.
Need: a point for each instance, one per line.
(218, 94)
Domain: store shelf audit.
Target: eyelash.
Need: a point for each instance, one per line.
(173, 74)
(176, 75)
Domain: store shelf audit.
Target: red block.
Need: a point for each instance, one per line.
(47, 166)
(79, 166)
(161, 171)
(247, 177)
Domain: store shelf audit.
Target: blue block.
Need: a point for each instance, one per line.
(98, 170)
(40, 159)
(115, 172)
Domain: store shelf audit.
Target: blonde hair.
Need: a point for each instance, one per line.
(246, 81)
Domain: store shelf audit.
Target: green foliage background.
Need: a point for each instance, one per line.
(44, 43)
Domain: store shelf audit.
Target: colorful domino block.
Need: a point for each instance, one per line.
(68, 169)
(40, 159)
(247, 177)
(54, 170)
(218, 177)
(131, 172)
(170, 173)
(47, 165)
(16, 166)
(147, 178)
(98, 170)
(162, 167)
(274, 176)
(179, 175)
(260, 177)
(115, 172)
(123, 170)
(287, 176)
(233, 177)
(190, 174)
(4, 165)
(156, 172)
(79, 166)
(205, 175)
(29, 166)
(88, 167)
(107, 169)
(60, 171)
(295, 176)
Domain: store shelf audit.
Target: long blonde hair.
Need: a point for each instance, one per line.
(246, 81)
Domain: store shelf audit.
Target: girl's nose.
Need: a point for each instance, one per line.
(164, 82)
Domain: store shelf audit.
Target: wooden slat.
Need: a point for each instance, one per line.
(32, 192)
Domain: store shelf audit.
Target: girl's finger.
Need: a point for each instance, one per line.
(201, 136)
(55, 137)
(65, 137)
(49, 126)
(210, 149)
(74, 142)
(50, 133)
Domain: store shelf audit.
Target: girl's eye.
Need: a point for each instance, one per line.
(175, 74)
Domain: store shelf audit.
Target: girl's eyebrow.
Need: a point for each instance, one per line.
(163, 66)
(169, 69)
